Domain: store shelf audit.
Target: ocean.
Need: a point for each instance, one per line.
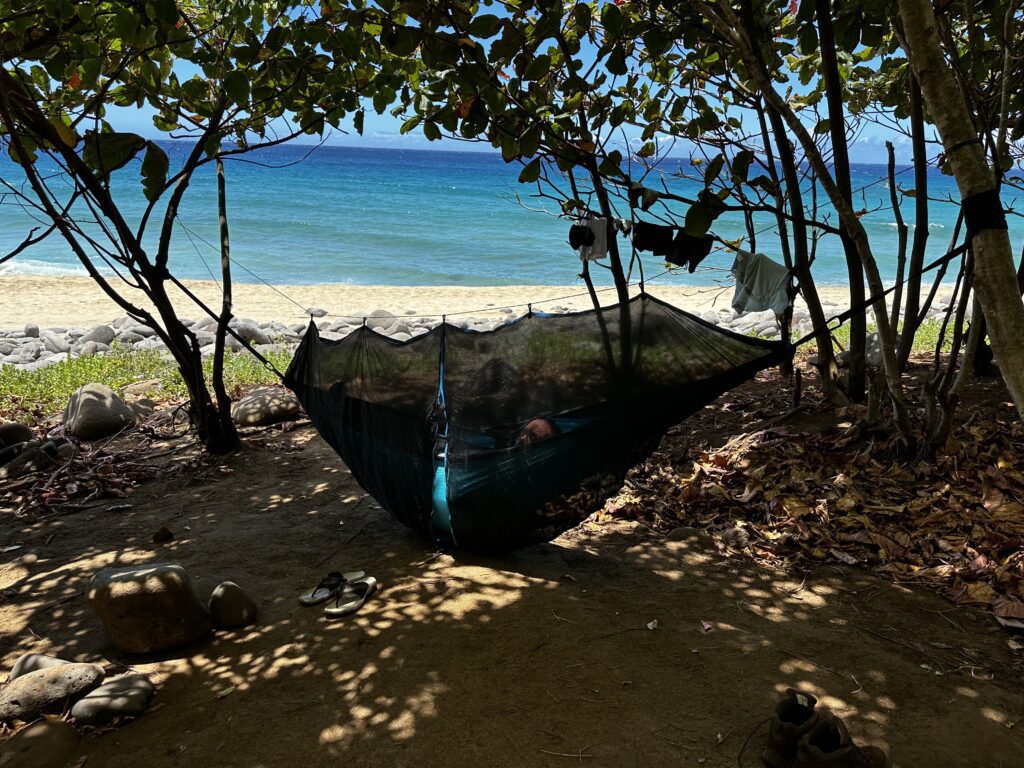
(300, 215)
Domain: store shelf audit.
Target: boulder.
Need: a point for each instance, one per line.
(148, 608)
(143, 330)
(267, 405)
(380, 320)
(47, 690)
(54, 343)
(126, 696)
(33, 662)
(129, 337)
(101, 334)
(252, 333)
(316, 312)
(46, 744)
(32, 331)
(95, 411)
(88, 349)
(12, 433)
(230, 607)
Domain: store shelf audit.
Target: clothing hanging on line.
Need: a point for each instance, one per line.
(689, 251)
(760, 284)
(579, 236)
(656, 238)
(598, 247)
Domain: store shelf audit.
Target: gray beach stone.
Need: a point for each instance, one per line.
(126, 696)
(95, 411)
(266, 405)
(92, 348)
(129, 337)
(12, 433)
(380, 320)
(205, 323)
(148, 608)
(252, 333)
(33, 662)
(230, 607)
(47, 690)
(46, 744)
(143, 330)
(316, 312)
(401, 336)
(101, 334)
(32, 331)
(205, 338)
(54, 343)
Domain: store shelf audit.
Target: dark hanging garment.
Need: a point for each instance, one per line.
(689, 251)
(655, 238)
(432, 426)
(580, 235)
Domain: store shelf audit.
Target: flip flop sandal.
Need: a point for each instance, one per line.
(352, 597)
(328, 587)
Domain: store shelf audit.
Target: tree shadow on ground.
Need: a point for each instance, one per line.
(609, 646)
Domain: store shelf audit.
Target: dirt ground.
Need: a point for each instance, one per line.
(611, 646)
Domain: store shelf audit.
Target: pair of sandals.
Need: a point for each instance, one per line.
(346, 593)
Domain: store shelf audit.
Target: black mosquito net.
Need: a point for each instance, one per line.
(497, 439)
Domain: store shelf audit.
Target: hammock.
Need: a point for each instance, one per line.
(432, 427)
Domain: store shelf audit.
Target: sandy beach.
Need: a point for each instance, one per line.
(78, 301)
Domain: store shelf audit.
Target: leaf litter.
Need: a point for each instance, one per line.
(829, 488)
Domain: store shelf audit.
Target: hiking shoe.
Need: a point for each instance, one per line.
(828, 745)
(793, 718)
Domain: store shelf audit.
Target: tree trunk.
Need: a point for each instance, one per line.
(801, 261)
(856, 381)
(227, 425)
(917, 248)
(994, 278)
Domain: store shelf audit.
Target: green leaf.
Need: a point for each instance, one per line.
(741, 164)
(538, 68)
(357, 121)
(485, 26)
(154, 171)
(698, 220)
(822, 127)
(166, 10)
(808, 39)
(530, 172)
(616, 61)
(611, 18)
(714, 168)
(431, 131)
(236, 85)
(106, 152)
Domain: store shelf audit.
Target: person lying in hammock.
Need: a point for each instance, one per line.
(536, 430)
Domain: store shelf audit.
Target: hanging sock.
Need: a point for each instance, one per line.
(597, 248)
(579, 236)
(655, 238)
(689, 251)
(760, 284)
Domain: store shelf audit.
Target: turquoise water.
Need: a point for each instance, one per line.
(414, 217)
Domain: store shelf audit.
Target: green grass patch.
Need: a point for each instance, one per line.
(46, 391)
(925, 339)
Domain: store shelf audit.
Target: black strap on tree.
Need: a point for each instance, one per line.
(863, 305)
(983, 211)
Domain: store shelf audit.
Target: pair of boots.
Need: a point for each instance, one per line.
(801, 737)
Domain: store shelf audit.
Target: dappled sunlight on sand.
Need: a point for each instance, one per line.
(610, 641)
